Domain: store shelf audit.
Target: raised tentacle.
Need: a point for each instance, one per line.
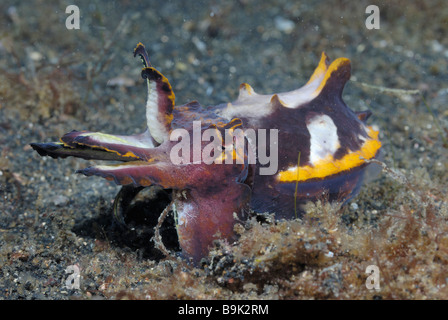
(161, 98)
(141, 51)
(160, 104)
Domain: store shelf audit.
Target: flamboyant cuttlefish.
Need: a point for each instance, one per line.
(265, 152)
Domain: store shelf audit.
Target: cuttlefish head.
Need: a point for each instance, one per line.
(208, 179)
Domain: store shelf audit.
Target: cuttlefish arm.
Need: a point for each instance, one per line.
(206, 197)
(103, 146)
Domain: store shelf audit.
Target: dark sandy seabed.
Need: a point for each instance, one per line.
(54, 80)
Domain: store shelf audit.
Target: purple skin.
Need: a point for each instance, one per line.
(208, 199)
